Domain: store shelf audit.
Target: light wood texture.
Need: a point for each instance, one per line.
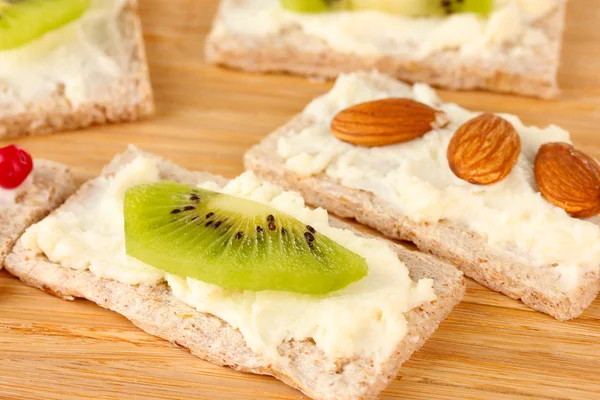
(491, 347)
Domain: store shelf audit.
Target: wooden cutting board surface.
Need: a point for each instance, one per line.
(491, 347)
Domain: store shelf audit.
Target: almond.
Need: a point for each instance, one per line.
(568, 178)
(484, 149)
(384, 122)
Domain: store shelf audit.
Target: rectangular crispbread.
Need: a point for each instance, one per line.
(51, 183)
(157, 311)
(497, 268)
(126, 98)
(505, 69)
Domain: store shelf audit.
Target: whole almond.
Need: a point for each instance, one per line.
(568, 178)
(484, 149)
(384, 122)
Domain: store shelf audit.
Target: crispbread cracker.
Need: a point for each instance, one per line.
(157, 311)
(296, 52)
(127, 98)
(493, 267)
(51, 184)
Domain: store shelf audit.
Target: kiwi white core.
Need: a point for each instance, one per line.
(364, 319)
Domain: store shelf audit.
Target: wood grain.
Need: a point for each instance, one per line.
(491, 347)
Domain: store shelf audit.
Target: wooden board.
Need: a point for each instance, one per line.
(491, 347)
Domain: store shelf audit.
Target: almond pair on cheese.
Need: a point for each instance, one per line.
(485, 149)
(482, 151)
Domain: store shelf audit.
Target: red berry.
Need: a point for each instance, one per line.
(15, 166)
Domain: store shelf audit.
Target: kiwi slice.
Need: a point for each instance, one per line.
(232, 242)
(315, 6)
(424, 8)
(21, 21)
(413, 8)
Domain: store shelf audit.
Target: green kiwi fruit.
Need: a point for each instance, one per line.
(413, 8)
(232, 242)
(315, 6)
(21, 21)
(424, 8)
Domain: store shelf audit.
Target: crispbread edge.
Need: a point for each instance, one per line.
(158, 312)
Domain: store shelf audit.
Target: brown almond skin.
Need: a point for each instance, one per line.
(568, 178)
(484, 149)
(384, 122)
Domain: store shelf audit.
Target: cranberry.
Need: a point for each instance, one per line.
(15, 166)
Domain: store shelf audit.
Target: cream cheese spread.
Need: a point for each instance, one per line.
(377, 33)
(75, 59)
(364, 319)
(414, 177)
(8, 197)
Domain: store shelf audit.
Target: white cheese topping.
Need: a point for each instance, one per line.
(415, 178)
(377, 33)
(364, 319)
(76, 58)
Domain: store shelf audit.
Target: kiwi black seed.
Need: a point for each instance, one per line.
(309, 237)
(232, 242)
(456, 6)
